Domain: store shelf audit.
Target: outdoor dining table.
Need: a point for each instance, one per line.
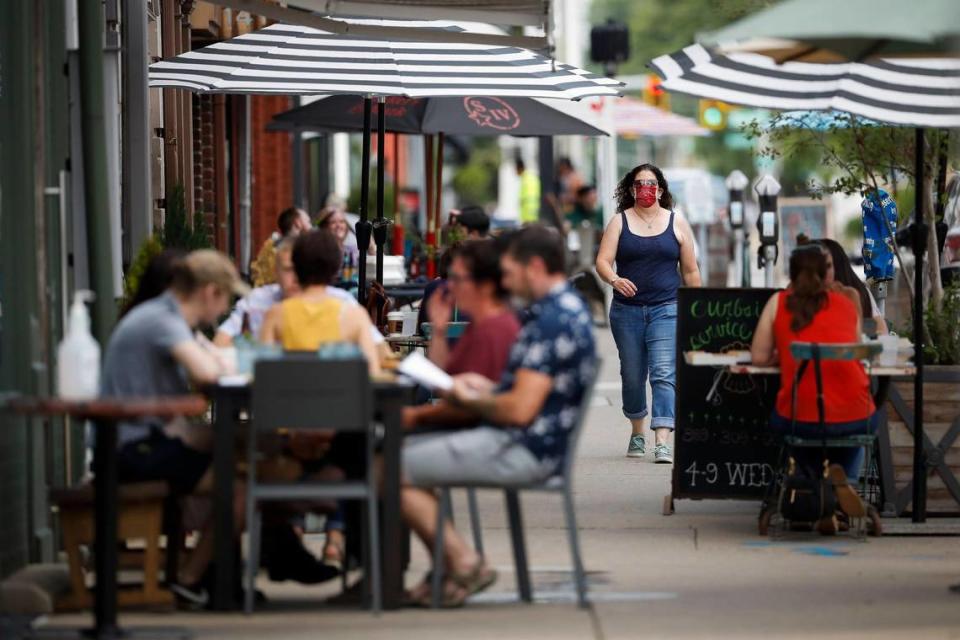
(231, 400)
(105, 413)
(734, 363)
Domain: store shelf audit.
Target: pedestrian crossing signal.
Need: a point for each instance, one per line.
(713, 114)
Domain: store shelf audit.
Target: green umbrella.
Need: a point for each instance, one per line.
(832, 31)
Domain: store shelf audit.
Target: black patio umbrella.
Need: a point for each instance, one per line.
(469, 116)
(454, 115)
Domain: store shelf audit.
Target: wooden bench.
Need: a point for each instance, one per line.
(141, 516)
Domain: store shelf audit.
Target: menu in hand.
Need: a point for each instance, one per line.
(417, 367)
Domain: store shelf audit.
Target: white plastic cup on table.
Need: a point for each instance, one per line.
(409, 323)
(891, 345)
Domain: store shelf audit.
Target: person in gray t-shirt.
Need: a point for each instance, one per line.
(153, 353)
(139, 360)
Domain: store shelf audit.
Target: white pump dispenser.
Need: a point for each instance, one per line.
(78, 357)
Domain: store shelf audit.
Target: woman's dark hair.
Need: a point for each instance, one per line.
(286, 219)
(808, 291)
(844, 274)
(483, 261)
(156, 278)
(624, 192)
(316, 257)
(445, 260)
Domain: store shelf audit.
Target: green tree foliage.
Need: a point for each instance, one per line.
(177, 232)
(663, 26)
(476, 181)
(720, 159)
(353, 201)
(941, 344)
(944, 344)
(151, 248)
(854, 155)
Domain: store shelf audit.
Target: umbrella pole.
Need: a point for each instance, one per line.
(431, 230)
(437, 201)
(398, 230)
(380, 232)
(363, 226)
(919, 244)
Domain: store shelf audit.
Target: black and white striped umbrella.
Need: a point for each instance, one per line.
(298, 60)
(293, 60)
(906, 91)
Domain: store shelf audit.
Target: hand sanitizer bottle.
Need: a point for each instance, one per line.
(78, 356)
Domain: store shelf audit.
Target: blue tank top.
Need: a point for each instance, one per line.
(650, 263)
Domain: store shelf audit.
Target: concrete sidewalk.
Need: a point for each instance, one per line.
(701, 573)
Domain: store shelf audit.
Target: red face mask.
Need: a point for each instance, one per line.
(646, 196)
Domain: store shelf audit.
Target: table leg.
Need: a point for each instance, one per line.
(393, 534)
(226, 413)
(105, 542)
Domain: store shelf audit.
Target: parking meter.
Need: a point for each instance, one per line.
(768, 226)
(736, 183)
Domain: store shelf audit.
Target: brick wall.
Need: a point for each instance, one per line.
(272, 168)
(204, 162)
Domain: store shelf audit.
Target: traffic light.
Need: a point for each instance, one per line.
(654, 94)
(713, 114)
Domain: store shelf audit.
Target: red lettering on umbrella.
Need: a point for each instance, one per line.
(494, 113)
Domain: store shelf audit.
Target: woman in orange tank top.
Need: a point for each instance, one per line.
(810, 310)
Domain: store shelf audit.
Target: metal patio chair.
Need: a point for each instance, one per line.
(561, 483)
(303, 392)
(804, 353)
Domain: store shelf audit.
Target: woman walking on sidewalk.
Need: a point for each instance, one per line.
(652, 247)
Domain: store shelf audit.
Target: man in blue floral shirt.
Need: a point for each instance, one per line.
(520, 427)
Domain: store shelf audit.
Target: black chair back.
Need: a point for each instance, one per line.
(302, 391)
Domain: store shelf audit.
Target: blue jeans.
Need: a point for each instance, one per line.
(646, 338)
(850, 458)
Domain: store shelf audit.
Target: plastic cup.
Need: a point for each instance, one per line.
(891, 345)
(409, 323)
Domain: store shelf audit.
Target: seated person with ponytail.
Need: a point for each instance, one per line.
(812, 309)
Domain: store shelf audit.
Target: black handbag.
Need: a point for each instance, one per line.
(808, 494)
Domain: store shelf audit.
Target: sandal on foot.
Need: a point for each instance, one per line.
(827, 526)
(849, 499)
(410, 597)
(465, 585)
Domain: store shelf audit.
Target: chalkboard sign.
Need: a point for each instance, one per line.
(723, 446)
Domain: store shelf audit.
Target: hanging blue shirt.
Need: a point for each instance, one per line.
(878, 210)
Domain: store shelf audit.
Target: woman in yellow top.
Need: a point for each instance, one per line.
(312, 318)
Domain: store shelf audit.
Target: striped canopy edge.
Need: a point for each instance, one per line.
(902, 92)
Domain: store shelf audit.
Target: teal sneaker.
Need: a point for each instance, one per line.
(663, 454)
(637, 447)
